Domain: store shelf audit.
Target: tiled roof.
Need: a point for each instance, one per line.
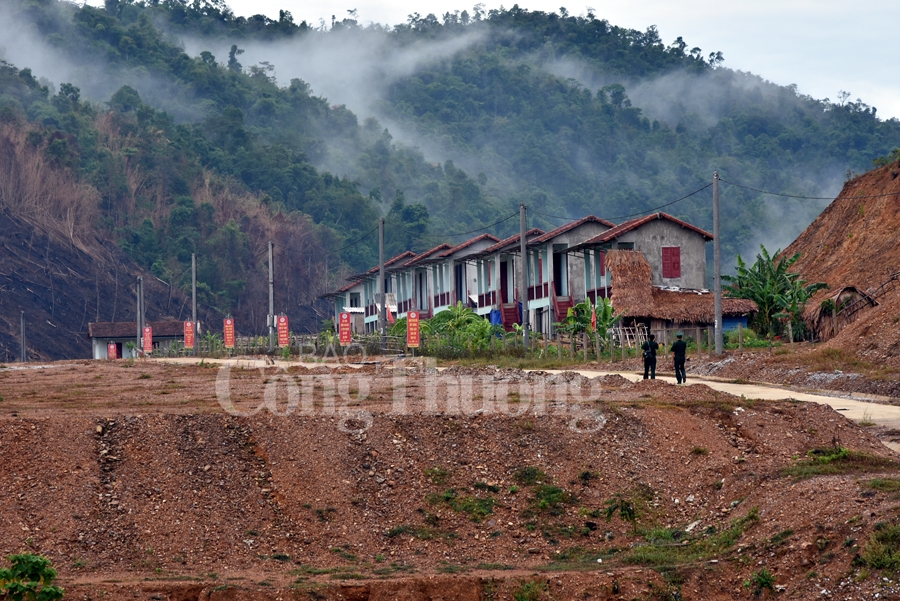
(468, 243)
(627, 226)
(426, 254)
(126, 329)
(570, 226)
(513, 239)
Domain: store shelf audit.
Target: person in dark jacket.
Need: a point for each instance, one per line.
(649, 349)
(679, 351)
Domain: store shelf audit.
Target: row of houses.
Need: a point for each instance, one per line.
(653, 269)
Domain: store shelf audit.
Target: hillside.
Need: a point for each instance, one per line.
(853, 243)
(137, 485)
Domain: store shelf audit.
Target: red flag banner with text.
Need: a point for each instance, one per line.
(412, 329)
(284, 331)
(229, 332)
(111, 352)
(346, 336)
(148, 339)
(189, 334)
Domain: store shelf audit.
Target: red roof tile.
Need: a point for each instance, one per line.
(468, 243)
(427, 253)
(570, 226)
(632, 224)
(513, 239)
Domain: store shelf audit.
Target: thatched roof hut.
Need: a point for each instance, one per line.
(825, 319)
(633, 294)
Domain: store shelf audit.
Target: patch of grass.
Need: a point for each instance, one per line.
(344, 554)
(476, 507)
(586, 477)
(281, 557)
(882, 550)
(144, 377)
(866, 421)
(662, 553)
(305, 570)
(451, 568)
(530, 591)
(437, 475)
(891, 485)
(551, 500)
(831, 359)
(347, 576)
(419, 532)
(529, 476)
(780, 538)
(837, 460)
(763, 579)
(699, 451)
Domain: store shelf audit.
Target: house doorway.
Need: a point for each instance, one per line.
(504, 283)
(560, 271)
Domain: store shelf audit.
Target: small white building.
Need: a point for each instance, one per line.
(103, 333)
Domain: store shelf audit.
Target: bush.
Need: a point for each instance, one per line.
(29, 577)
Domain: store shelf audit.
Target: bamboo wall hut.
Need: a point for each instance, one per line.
(660, 308)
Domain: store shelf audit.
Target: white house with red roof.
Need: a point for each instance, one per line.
(564, 266)
(675, 250)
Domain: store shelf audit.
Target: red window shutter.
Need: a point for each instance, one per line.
(602, 263)
(671, 262)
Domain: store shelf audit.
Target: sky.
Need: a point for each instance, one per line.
(822, 46)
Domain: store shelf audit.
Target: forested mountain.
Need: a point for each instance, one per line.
(187, 129)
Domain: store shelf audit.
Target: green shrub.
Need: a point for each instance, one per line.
(882, 551)
(529, 476)
(29, 577)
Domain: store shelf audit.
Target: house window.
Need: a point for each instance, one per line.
(671, 261)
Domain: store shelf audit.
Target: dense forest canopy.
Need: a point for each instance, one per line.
(205, 132)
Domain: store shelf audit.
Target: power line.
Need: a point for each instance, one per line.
(645, 212)
(801, 197)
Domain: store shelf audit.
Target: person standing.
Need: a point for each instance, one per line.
(679, 352)
(649, 349)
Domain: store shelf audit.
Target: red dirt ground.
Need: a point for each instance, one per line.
(138, 485)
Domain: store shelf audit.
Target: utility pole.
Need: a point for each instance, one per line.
(271, 318)
(717, 265)
(382, 315)
(194, 298)
(523, 278)
(24, 354)
(140, 315)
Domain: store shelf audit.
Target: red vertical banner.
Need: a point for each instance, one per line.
(284, 331)
(189, 334)
(412, 329)
(228, 330)
(346, 336)
(148, 339)
(111, 352)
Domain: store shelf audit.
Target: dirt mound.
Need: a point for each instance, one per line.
(853, 243)
(135, 482)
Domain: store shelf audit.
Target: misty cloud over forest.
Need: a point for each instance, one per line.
(551, 124)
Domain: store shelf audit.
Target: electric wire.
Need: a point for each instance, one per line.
(800, 197)
(450, 234)
(645, 212)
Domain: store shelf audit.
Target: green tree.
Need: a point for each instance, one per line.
(777, 292)
(29, 578)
